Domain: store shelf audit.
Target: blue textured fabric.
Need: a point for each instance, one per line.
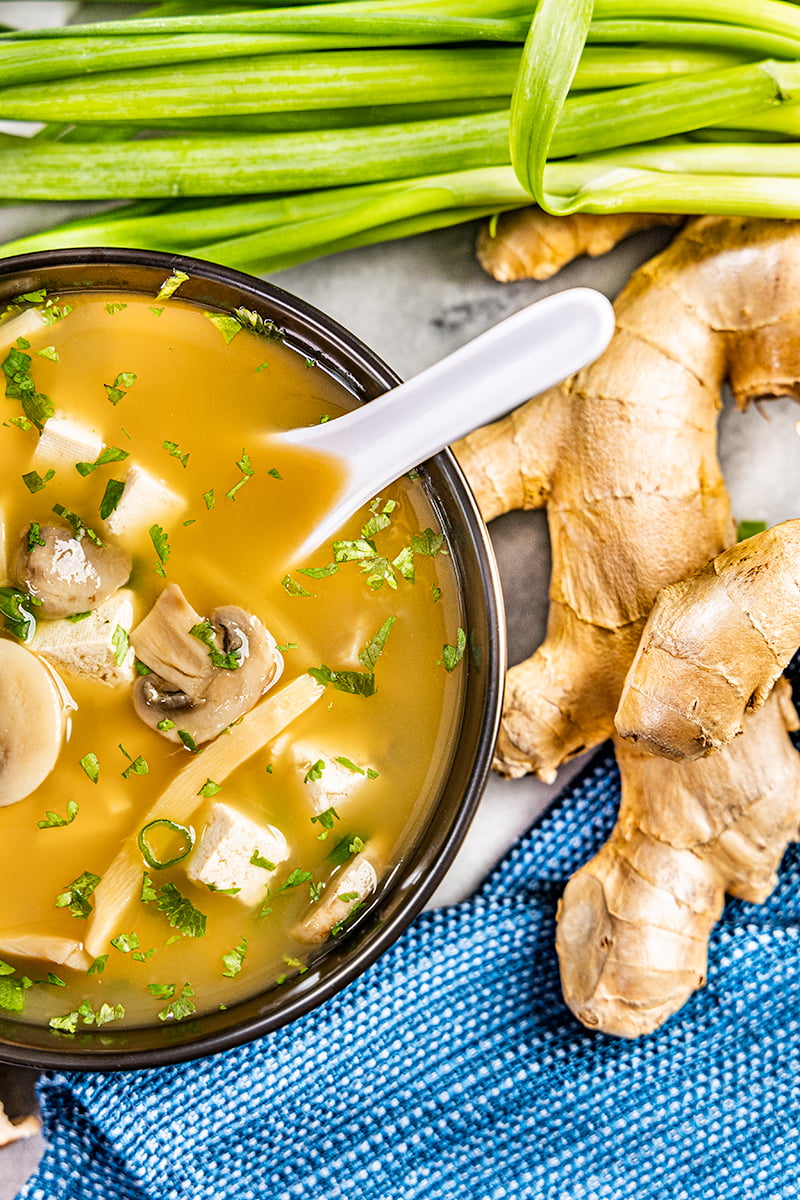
(451, 1070)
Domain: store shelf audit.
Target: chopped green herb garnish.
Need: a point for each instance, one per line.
(148, 891)
(437, 594)
(34, 482)
(264, 367)
(174, 450)
(20, 422)
(188, 740)
(99, 965)
(357, 683)
(429, 543)
(345, 848)
(233, 962)
(91, 766)
(76, 895)
(35, 536)
(16, 613)
(12, 993)
(79, 527)
(287, 646)
(180, 912)
(206, 633)
(156, 311)
(748, 529)
(49, 352)
(161, 546)
(210, 788)
(180, 1008)
(162, 991)
(314, 772)
(403, 563)
(109, 455)
(111, 497)
(228, 325)
(125, 942)
(142, 669)
(6, 968)
(325, 820)
(119, 640)
(115, 306)
(294, 879)
(54, 821)
(452, 655)
(258, 860)
(275, 473)
(20, 386)
(171, 285)
(318, 572)
(208, 498)
(293, 587)
(75, 617)
(114, 394)
(165, 724)
(376, 645)
(136, 766)
(247, 469)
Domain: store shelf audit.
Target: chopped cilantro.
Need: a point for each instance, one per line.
(136, 766)
(91, 766)
(206, 633)
(357, 683)
(403, 563)
(376, 645)
(143, 955)
(325, 820)
(6, 968)
(748, 529)
(264, 367)
(208, 498)
(20, 386)
(34, 482)
(345, 848)
(188, 740)
(452, 655)
(314, 772)
(318, 572)
(228, 325)
(156, 311)
(293, 587)
(125, 942)
(258, 860)
(148, 891)
(111, 497)
(437, 594)
(294, 879)
(165, 724)
(162, 991)
(209, 788)
(54, 821)
(180, 912)
(75, 617)
(115, 306)
(262, 325)
(161, 546)
(275, 473)
(429, 543)
(247, 469)
(174, 450)
(287, 646)
(171, 285)
(109, 455)
(79, 527)
(119, 640)
(12, 993)
(180, 1008)
(35, 536)
(76, 895)
(99, 965)
(49, 352)
(233, 962)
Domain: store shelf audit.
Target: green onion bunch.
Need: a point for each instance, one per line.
(261, 134)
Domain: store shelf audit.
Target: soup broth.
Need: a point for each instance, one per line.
(324, 808)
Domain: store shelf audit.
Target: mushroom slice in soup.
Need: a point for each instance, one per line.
(32, 721)
(68, 574)
(204, 674)
(346, 891)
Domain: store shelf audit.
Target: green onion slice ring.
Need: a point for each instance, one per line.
(147, 854)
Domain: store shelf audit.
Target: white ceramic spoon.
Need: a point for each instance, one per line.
(483, 380)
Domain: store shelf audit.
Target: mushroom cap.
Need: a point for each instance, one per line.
(186, 684)
(67, 574)
(32, 721)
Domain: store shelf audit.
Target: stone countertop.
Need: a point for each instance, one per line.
(413, 302)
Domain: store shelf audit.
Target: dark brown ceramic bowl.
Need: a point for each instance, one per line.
(408, 887)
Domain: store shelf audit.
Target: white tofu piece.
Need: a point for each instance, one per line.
(65, 442)
(347, 890)
(331, 783)
(222, 857)
(144, 500)
(91, 647)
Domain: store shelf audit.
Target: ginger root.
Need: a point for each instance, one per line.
(624, 457)
(528, 243)
(634, 923)
(713, 647)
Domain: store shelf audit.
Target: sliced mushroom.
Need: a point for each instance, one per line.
(188, 685)
(68, 574)
(345, 892)
(32, 720)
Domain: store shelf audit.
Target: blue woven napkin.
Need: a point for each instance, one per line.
(451, 1069)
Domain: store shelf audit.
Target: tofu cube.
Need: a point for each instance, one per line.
(327, 782)
(144, 500)
(64, 443)
(346, 891)
(96, 646)
(223, 856)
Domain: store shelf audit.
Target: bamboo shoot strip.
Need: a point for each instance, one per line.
(179, 800)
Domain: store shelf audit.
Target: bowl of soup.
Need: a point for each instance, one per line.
(228, 780)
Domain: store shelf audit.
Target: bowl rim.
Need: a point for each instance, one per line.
(364, 362)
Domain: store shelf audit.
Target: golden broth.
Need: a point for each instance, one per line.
(213, 400)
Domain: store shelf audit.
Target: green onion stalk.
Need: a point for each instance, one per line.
(262, 134)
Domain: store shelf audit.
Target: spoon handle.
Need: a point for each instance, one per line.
(523, 355)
